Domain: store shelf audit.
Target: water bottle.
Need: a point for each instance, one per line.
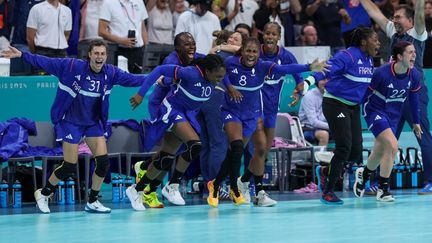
(127, 183)
(4, 194)
(115, 190)
(183, 188)
(346, 181)
(121, 186)
(60, 193)
(70, 191)
(16, 193)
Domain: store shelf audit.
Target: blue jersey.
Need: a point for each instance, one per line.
(160, 92)
(76, 79)
(388, 92)
(249, 81)
(349, 76)
(191, 90)
(272, 88)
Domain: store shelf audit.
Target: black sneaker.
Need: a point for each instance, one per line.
(384, 196)
(358, 187)
(331, 199)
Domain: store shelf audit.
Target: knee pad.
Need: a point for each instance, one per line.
(102, 165)
(163, 161)
(193, 148)
(237, 147)
(64, 170)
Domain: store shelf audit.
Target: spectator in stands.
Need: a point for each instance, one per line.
(6, 14)
(48, 28)
(225, 20)
(173, 124)
(80, 110)
(428, 9)
(90, 19)
(21, 11)
(327, 16)
(179, 7)
(201, 23)
(359, 17)
(230, 46)
(382, 112)
(348, 80)
(315, 126)
(245, 10)
(308, 36)
(269, 11)
(244, 29)
(122, 22)
(160, 28)
(409, 25)
(289, 10)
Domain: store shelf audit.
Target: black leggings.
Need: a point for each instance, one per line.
(345, 126)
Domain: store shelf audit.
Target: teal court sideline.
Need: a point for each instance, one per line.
(358, 220)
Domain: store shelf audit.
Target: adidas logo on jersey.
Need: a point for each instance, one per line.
(178, 117)
(377, 117)
(228, 117)
(341, 115)
(390, 86)
(78, 77)
(88, 78)
(197, 85)
(69, 136)
(234, 71)
(359, 61)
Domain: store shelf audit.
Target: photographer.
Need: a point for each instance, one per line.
(123, 23)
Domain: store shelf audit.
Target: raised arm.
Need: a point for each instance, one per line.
(54, 66)
(419, 17)
(375, 13)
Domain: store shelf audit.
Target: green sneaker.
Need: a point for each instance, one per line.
(139, 173)
(152, 200)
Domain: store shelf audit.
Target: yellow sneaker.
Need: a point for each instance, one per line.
(237, 200)
(212, 201)
(139, 173)
(152, 200)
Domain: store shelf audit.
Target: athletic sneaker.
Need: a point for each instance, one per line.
(237, 200)
(372, 190)
(136, 198)
(172, 194)
(263, 200)
(384, 196)
(358, 187)
(139, 173)
(331, 199)
(321, 175)
(96, 207)
(427, 190)
(42, 201)
(223, 194)
(212, 201)
(244, 189)
(152, 200)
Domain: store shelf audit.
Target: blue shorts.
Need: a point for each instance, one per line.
(377, 123)
(270, 120)
(167, 117)
(249, 125)
(71, 133)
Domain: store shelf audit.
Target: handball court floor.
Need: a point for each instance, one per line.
(296, 218)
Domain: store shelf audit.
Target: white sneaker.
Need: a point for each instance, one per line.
(172, 193)
(136, 198)
(384, 196)
(358, 187)
(42, 201)
(96, 207)
(263, 200)
(244, 189)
